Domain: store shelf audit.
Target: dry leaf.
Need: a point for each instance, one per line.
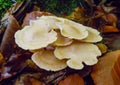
(26, 79)
(74, 79)
(108, 28)
(33, 15)
(116, 72)
(8, 43)
(102, 72)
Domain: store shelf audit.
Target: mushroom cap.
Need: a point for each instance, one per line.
(46, 60)
(77, 53)
(35, 36)
(68, 28)
(93, 35)
(62, 41)
(72, 29)
(51, 21)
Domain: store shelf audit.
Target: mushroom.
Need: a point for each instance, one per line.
(68, 28)
(78, 53)
(46, 60)
(93, 35)
(61, 40)
(72, 29)
(35, 36)
(51, 21)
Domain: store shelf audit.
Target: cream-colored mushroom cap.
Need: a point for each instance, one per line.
(78, 53)
(67, 27)
(46, 60)
(93, 35)
(62, 41)
(35, 36)
(51, 21)
(72, 29)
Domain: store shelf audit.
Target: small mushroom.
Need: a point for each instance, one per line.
(46, 60)
(35, 36)
(93, 35)
(72, 29)
(62, 41)
(78, 53)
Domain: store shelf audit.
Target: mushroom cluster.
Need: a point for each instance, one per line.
(58, 42)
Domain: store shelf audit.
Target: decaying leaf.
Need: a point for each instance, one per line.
(77, 53)
(26, 79)
(78, 15)
(73, 79)
(14, 65)
(108, 29)
(1, 56)
(116, 71)
(103, 48)
(46, 60)
(8, 43)
(36, 82)
(112, 18)
(102, 71)
(2, 60)
(33, 16)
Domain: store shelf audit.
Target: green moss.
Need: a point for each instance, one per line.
(60, 6)
(57, 7)
(4, 5)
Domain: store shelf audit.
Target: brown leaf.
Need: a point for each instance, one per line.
(26, 79)
(116, 72)
(102, 71)
(74, 79)
(15, 64)
(35, 82)
(8, 43)
(33, 15)
(107, 29)
(112, 18)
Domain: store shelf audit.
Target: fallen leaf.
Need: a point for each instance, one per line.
(116, 72)
(108, 28)
(8, 43)
(26, 79)
(102, 71)
(33, 16)
(74, 79)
